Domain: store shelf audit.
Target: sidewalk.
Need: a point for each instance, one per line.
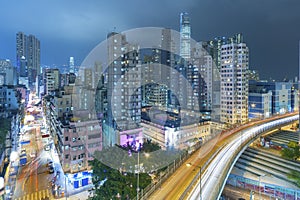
(80, 196)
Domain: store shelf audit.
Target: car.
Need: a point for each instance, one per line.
(51, 169)
(23, 151)
(33, 154)
(50, 163)
(47, 147)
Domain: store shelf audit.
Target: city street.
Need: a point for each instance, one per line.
(33, 180)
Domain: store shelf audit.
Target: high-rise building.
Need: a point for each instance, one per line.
(234, 81)
(123, 94)
(21, 40)
(28, 56)
(71, 65)
(185, 36)
(8, 73)
(51, 80)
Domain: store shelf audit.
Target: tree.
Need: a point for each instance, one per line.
(117, 183)
(288, 153)
(292, 144)
(295, 175)
(292, 151)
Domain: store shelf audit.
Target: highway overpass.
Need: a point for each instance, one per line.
(215, 166)
(215, 175)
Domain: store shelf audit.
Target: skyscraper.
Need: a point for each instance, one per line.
(71, 65)
(234, 81)
(51, 81)
(123, 94)
(28, 56)
(21, 45)
(185, 36)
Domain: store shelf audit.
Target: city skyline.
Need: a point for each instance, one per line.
(77, 28)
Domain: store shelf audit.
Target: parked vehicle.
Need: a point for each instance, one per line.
(23, 160)
(51, 169)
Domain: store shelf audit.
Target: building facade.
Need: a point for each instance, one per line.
(124, 99)
(8, 73)
(185, 36)
(282, 95)
(51, 80)
(234, 82)
(28, 56)
(260, 104)
(77, 134)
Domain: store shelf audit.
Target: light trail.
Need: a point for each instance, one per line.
(210, 178)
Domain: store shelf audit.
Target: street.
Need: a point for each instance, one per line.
(33, 179)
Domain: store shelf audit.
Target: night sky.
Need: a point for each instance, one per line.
(271, 28)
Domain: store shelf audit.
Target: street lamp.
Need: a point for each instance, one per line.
(138, 177)
(200, 173)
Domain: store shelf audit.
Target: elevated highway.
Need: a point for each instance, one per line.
(204, 174)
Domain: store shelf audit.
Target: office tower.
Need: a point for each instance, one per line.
(21, 44)
(185, 36)
(71, 65)
(234, 81)
(28, 56)
(33, 58)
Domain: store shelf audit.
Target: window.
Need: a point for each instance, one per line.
(94, 136)
(67, 156)
(74, 157)
(67, 138)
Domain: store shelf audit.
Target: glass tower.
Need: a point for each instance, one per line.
(185, 36)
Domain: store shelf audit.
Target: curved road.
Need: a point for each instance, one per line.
(212, 183)
(175, 186)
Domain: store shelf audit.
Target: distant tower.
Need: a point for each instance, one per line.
(28, 56)
(21, 41)
(33, 58)
(185, 36)
(71, 65)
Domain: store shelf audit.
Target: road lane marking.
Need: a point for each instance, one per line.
(48, 193)
(36, 176)
(41, 193)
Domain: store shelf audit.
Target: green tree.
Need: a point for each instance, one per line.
(5, 126)
(292, 144)
(288, 153)
(124, 184)
(295, 176)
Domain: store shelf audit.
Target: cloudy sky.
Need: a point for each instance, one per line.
(67, 28)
